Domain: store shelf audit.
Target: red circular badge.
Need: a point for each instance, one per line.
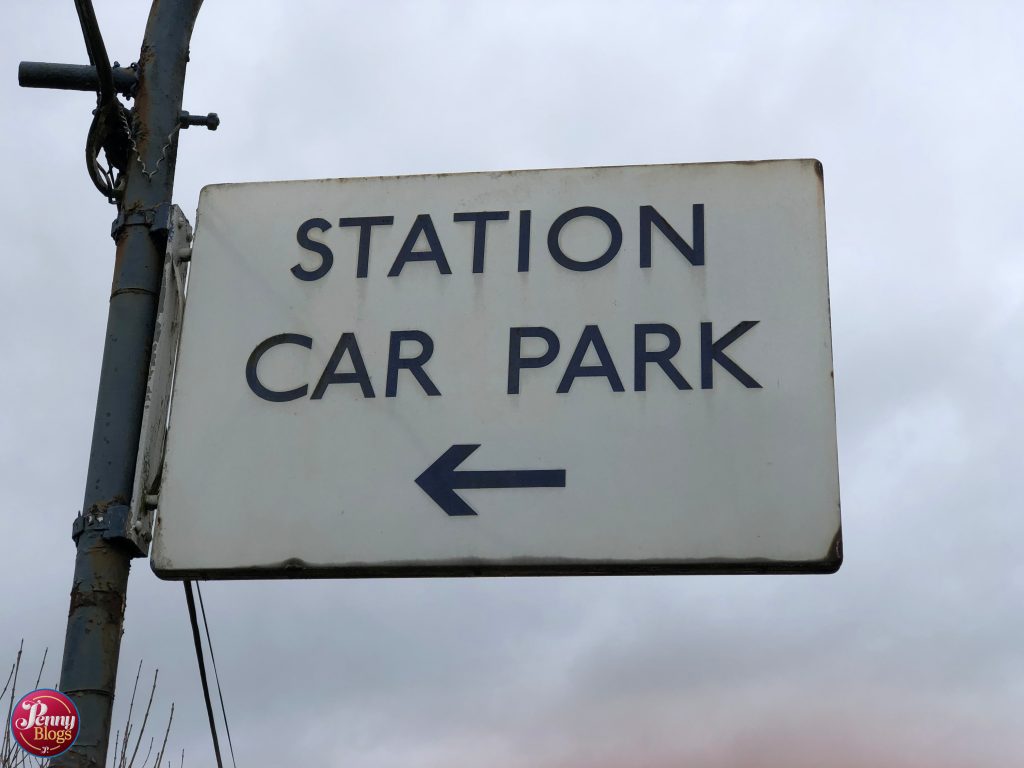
(45, 723)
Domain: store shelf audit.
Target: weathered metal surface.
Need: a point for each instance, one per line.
(158, 390)
(96, 618)
(210, 120)
(73, 77)
(644, 361)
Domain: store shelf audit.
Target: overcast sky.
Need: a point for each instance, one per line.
(910, 656)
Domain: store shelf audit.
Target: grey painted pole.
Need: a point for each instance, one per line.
(96, 617)
(72, 77)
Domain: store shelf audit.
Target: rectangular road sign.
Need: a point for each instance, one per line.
(578, 371)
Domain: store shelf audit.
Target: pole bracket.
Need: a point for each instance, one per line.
(153, 430)
(112, 523)
(158, 219)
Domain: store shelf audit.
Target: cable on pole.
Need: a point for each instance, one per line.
(107, 131)
(96, 49)
(216, 676)
(202, 668)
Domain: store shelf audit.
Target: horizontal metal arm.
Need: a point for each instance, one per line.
(72, 77)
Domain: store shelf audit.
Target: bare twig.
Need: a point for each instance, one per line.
(3, 746)
(145, 719)
(149, 750)
(41, 665)
(167, 733)
(10, 755)
(128, 724)
(13, 757)
(8, 746)
(9, 676)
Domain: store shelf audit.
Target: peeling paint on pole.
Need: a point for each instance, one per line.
(158, 389)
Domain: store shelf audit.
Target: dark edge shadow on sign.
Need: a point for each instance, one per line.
(494, 173)
(298, 569)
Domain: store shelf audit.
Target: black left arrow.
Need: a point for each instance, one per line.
(440, 480)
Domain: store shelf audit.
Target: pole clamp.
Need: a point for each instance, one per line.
(158, 220)
(112, 523)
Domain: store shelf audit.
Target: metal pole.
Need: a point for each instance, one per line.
(96, 617)
(72, 77)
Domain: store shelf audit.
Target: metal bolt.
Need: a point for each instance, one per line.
(211, 120)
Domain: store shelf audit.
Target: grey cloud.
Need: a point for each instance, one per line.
(908, 657)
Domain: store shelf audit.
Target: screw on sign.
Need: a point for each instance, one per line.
(45, 723)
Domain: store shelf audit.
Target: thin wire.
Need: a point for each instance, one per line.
(216, 676)
(202, 668)
(104, 124)
(97, 50)
(149, 174)
(93, 144)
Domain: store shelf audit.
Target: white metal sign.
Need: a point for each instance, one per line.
(597, 370)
